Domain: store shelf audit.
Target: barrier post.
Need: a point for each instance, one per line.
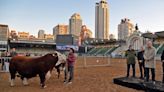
(108, 60)
(85, 62)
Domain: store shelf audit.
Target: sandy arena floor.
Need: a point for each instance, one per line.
(90, 79)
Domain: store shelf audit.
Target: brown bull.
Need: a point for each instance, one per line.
(30, 67)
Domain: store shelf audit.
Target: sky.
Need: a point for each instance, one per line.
(32, 15)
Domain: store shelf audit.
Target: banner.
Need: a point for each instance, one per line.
(66, 47)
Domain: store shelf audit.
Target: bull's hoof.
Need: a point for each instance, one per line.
(43, 87)
(26, 84)
(12, 82)
(12, 85)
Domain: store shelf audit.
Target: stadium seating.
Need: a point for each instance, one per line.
(160, 50)
(111, 50)
(94, 51)
(101, 51)
(156, 45)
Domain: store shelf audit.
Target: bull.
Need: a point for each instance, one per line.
(31, 67)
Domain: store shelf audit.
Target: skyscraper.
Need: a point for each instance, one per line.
(60, 30)
(41, 34)
(125, 29)
(4, 32)
(102, 20)
(75, 23)
(4, 35)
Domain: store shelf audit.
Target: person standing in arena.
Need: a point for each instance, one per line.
(13, 52)
(141, 62)
(150, 63)
(70, 66)
(162, 59)
(130, 55)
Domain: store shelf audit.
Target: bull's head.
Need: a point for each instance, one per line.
(61, 60)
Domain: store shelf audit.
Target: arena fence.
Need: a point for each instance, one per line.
(92, 61)
(82, 61)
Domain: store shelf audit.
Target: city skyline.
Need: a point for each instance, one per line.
(30, 16)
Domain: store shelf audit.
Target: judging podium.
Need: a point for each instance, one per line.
(140, 84)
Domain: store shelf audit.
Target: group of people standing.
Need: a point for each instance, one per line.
(146, 61)
(5, 57)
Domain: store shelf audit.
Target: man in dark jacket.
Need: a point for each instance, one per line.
(141, 62)
(162, 59)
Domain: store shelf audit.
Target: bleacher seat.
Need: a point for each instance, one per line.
(160, 50)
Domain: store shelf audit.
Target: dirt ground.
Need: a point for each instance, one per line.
(90, 79)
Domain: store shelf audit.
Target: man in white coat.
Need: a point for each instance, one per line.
(150, 63)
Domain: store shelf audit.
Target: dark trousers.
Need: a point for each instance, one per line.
(142, 69)
(152, 73)
(163, 72)
(128, 69)
(70, 71)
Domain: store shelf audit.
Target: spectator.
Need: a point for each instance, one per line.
(13, 52)
(141, 62)
(150, 63)
(130, 54)
(4, 54)
(70, 66)
(162, 59)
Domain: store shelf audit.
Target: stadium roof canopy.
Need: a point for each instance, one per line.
(154, 36)
(149, 35)
(32, 42)
(160, 34)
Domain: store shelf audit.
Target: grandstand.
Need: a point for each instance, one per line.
(156, 45)
(160, 50)
(32, 48)
(158, 40)
(102, 51)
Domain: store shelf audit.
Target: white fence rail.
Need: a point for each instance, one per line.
(92, 61)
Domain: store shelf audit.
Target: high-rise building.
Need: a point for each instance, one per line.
(125, 29)
(49, 36)
(75, 23)
(102, 20)
(60, 30)
(41, 34)
(31, 37)
(4, 35)
(23, 35)
(13, 35)
(111, 36)
(4, 32)
(89, 33)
